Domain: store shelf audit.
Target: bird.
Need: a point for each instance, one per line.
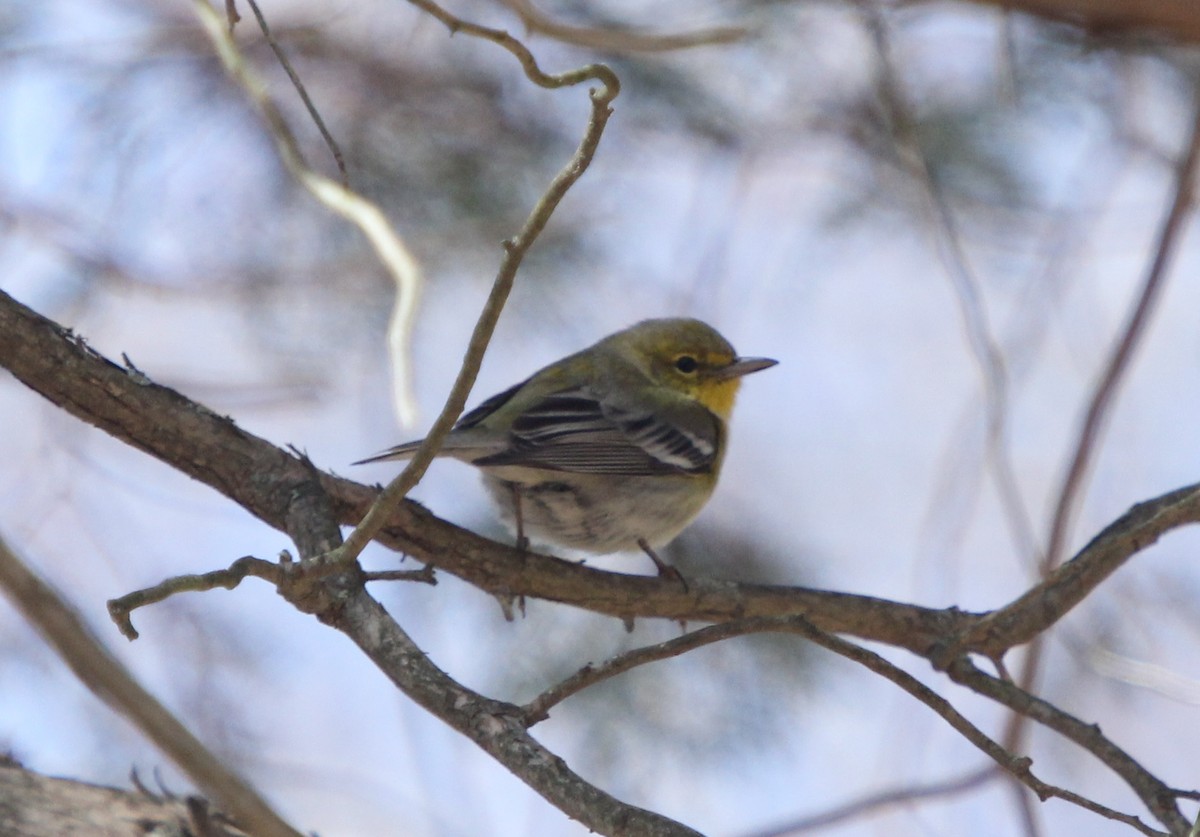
(615, 448)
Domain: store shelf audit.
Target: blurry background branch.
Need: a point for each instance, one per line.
(389, 247)
(63, 629)
(1176, 19)
(613, 39)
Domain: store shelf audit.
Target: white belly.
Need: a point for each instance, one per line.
(597, 513)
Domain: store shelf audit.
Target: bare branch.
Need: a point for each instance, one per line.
(63, 629)
(539, 708)
(1156, 796)
(1017, 766)
(872, 802)
(1043, 605)
(119, 609)
(515, 250)
(619, 40)
(498, 728)
(389, 248)
(263, 479)
(337, 596)
(963, 281)
(1126, 344)
(281, 56)
(1174, 19)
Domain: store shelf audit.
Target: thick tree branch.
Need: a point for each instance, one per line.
(266, 480)
(32, 805)
(497, 727)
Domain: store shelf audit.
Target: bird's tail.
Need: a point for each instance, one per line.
(403, 451)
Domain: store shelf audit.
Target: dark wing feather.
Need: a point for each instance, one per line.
(489, 406)
(574, 431)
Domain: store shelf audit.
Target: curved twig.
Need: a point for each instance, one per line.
(515, 250)
(367, 216)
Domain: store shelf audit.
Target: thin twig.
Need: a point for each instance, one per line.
(539, 708)
(514, 253)
(592, 72)
(1127, 343)
(364, 214)
(872, 802)
(1018, 766)
(620, 40)
(64, 630)
(1155, 795)
(304, 97)
(119, 609)
(425, 575)
(965, 283)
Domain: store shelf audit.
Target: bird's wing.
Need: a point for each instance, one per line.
(474, 416)
(466, 422)
(573, 430)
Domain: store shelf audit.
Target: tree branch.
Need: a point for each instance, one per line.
(289, 494)
(1065, 587)
(1156, 796)
(515, 250)
(1173, 19)
(1018, 767)
(64, 631)
(1127, 342)
(264, 479)
(612, 39)
(497, 727)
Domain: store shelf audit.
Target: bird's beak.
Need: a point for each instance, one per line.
(744, 366)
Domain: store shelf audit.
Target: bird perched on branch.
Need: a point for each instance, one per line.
(614, 448)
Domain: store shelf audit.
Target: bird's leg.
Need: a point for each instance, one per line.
(665, 570)
(522, 541)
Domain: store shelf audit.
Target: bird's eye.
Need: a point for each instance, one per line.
(686, 364)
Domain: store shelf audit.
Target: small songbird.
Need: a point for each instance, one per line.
(614, 448)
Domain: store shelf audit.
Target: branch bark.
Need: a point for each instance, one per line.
(32, 805)
(269, 482)
(63, 629)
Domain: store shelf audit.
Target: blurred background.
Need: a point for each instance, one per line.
(780, 187)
